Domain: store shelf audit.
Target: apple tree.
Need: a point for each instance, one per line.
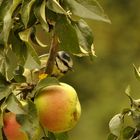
(22, 78)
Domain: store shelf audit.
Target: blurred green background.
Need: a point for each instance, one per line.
(101, 84)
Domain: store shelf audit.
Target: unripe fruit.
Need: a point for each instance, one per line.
(58, 107)
(12, 128)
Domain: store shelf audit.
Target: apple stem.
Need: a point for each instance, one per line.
(52, 54)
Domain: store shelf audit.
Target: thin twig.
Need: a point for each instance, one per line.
(52, 54)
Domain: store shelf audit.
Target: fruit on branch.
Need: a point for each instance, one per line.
(58, 107)
(12, 129)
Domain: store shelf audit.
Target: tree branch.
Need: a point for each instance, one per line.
(52, 54)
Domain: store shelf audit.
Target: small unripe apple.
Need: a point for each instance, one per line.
(58, 107)
(12, 128)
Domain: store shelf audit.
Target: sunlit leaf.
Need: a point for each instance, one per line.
(86, 9)
(25, 35)
(115, 124)
(25, 11)
(14, 105)
(32, 54)
(128, 90)
(137, 73)
(40, 14)
(55, 6)
(67, 36)
(39, 42)
(30, 63)
(34, 38)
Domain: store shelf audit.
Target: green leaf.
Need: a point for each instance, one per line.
(62, 136)
(25, 36)
(25, 11)
(40, 15)
(1, 123)
(4, 7)
(1, 118)
(136, 116)
(128, 90)
(18, 47)
(85, 37)
(128, 132)
(19, 78)
(30, 63)
(45, 82)
(51, 136)
(34, 37)
(19, 70)
(18, 75)
(10, 64)
(112, 137)
(115, 124)
(137, 73)
(29, 123)
(128, 93)
(1, 136)
(3, 80)
(7, 20)
(84, 33)
(55, 7)
(5, 91)
(86, 9)
(51, 16)
(67, 35)
(36, 40)
(14, 105)
(126, 111)
(2, 66)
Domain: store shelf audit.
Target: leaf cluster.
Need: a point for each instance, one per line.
(19, 20)
(126, 125)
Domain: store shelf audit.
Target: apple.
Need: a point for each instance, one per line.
(58, 107)
(12, 128)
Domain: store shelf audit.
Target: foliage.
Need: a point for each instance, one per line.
(19, 20)
(126, 125)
